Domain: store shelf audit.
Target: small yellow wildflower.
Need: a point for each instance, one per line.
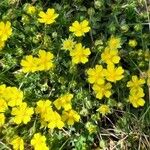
(2, 119)
(45, 60)
(17, 143)
(13, 96)
(114, 74)
(55, 121)
(96, 75)
(110, 56)
(68, 44)
(44, 109)
(29, 64)
(102, 90)
(79, 29)
(132, 43)
(31, 9)
(80, 54)
(22, 114)
(42, 106)
(48, 17)
(70, 117)
(114, 43)
(136, 97)
(3, 105)
(64, 102)
(104, 109)
(5, 30)
(39, 142)
(135, 82)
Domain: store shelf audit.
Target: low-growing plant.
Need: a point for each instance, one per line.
(74, 74)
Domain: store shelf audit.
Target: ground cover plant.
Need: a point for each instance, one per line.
(74, 75)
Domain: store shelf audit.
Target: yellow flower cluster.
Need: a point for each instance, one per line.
(41, 63)
(48, 116)
(99, 75)
(136, 91)
(5, 32)
(13, 97)
(69, 115)
(9, 96)
(79, 29)
(39, 142)
(48, 17)
(51, 118)
(78, 52)
(110, 54)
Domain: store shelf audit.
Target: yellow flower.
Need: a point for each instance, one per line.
(2, 119)
(64, 102)
(135, 83)
(31, 9)
(17, 143)
(2, 44)
(42, 106)
(45, 60)
(13, 96)
(114, 74)
(39, 142)
(22, 114)
(132, 43)
(68, 44)
(55, 121)
(96, 75)
(80, 54)
(136, 97)
(102, 90)
(3, 105)
(114, 43)
(29, 64)
(48, 17)
(104, 109)
(110, 56)
(79, 29)
(70, 117)
(5, 30)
